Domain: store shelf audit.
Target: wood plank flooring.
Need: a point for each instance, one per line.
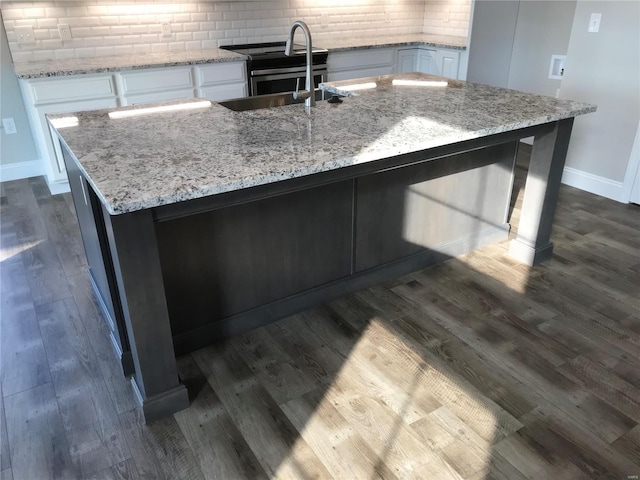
(478, 368)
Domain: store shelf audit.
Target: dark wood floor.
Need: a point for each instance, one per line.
(479, 368)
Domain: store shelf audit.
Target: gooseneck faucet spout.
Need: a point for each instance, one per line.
(308, 93)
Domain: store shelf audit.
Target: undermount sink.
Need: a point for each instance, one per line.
(268, 101)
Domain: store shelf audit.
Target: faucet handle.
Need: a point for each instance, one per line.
(287, 47)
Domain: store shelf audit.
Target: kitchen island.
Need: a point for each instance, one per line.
(200, 222)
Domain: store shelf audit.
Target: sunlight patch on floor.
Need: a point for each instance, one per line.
(376, 408)
(7, 253)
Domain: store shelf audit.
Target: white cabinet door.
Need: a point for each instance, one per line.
(427, 62)
(62, 95)
(448, 62)
(222, 81)
(407, 60)
(157, 84)
(361, 63)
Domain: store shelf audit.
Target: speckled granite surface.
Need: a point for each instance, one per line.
(440, 41)
(163, 158)
(77, 66)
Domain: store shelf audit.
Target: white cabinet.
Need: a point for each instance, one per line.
(74, 93)
(361, 63)
(435, 61)
(447, 63)
(61, 95)
(157, 84)
(222, 81)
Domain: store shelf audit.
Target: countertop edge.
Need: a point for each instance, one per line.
(409, 43)
(126, 67)
(123, 208)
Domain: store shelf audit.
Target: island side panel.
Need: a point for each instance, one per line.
(222, 262)
(94, 238)
(434, 205)
(532, 244)
(132, 239)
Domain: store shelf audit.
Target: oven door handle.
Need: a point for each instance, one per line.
(285, 72)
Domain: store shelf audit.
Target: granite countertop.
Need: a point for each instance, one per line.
(418, 39)
(155, 159)
(78, 66)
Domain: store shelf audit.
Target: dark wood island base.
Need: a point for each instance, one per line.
(177, 277)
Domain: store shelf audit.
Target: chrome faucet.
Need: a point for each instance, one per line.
(308, 93)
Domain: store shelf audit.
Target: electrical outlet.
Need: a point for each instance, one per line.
(25, 35)
(594, 22)
(387, 16)
(324, 19)
(9, 126)
(166, 29)
(65, 31)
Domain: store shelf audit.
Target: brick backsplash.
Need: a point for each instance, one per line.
(113, 27)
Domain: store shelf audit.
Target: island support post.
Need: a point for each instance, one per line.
(532, 245)
(137, 267)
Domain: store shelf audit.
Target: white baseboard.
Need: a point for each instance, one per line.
(61, 186)
(19, 170)
(595, 184)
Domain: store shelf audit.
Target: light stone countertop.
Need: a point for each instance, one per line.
(157, 159)
(377, 41)
(79, 66)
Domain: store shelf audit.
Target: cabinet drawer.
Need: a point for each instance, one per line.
(157, 80)
(160, 96)
(360, 73)
(225, 92)
(361, 59)
(55, 91)
(222, 73)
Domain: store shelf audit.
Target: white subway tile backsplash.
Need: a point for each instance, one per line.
(198, 17)
(106, 27)
(33, 12)
(85, 52)
(62, 54)
(109, 20)
(191, 27)
(201, 36)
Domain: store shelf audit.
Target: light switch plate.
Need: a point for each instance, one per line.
(9, 126)
(166, 28)
(594, 22)
(25, 35)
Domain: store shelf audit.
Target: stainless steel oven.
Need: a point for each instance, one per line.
(271, 71)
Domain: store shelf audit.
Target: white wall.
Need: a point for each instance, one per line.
(491, 41)
(604, 68)
(543, 29)
(512, 42)
(18, 154)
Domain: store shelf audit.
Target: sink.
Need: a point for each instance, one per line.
(268, 101)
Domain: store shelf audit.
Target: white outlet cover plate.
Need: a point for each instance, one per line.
(25, 35)
(594, 22)
(65, 31)
(9, 126)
